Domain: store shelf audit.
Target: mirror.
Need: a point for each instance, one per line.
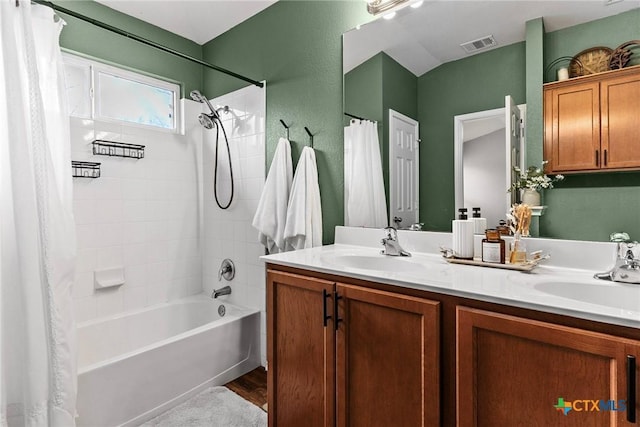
(414, 64)
(487, 146)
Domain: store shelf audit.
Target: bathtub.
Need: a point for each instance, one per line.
(136, 365)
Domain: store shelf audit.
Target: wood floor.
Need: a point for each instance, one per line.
(251, 386)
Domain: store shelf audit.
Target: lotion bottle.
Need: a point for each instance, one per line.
(493, 247)
(479, 227)
(462, 229)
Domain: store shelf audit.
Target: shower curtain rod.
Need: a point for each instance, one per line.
(143, 40)
(357, 117)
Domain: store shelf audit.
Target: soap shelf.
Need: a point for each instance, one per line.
(85, 169)
(518, 267)
(117, 149)
(537, 210)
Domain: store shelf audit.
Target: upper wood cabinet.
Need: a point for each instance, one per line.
(591, 122)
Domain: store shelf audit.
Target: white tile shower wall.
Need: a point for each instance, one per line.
(141, 214)
(228, 233)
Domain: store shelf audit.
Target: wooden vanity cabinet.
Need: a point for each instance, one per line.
(387, 360)
(300, 352)
(408, 357)
(346, 355)
(513, 371)
(591, 122)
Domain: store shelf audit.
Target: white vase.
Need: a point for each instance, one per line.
(531, 197)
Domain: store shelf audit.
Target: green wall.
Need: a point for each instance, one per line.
(372, 89)
(591, 206)
(400, 93)
(296, 46)
(105, 46)
(363, 87)
(476, 83)
(535, 69)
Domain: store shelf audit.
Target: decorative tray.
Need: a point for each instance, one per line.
(528, 266)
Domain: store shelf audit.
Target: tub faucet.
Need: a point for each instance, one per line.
(220, 292)
(391, 245)
(627, 266)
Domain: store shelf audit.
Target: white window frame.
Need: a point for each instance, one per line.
(97, 67)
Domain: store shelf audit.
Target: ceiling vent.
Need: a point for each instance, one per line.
(479, 44)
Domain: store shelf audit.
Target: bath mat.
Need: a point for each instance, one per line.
(213, 407)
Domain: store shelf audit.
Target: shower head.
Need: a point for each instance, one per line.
(206, 120)
(197, 96)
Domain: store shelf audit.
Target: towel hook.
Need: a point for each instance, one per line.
(310, 136)
(285, 127)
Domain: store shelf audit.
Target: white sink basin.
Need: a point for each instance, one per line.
(377, 263)
(615, 295)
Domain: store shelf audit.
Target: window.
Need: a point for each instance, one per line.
(111, 94)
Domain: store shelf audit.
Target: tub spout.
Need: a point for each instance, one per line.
(222, 291)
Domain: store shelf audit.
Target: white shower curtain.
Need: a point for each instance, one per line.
(365, 202)
(37, 233)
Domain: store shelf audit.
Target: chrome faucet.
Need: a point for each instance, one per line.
(627, 266)
(220, 292)
(391, 245)
(227, 270)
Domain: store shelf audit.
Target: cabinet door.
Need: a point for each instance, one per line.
(620, 119)
(388, 359)
(300, 352)
(513, 371)
(572, 128)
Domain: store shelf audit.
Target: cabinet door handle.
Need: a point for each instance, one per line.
(605, 157)
(631, 389)
(325, 316)
(597, 158)
(336, 298)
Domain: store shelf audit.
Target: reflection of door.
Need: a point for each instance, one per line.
(513, 137)
(403, 169)
(486, 125)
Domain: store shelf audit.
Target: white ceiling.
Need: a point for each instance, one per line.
(422, 39)
(196, 20)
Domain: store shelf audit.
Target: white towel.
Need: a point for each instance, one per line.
(271, 214)
(304, 213)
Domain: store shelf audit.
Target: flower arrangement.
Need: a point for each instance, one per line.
(533, 178)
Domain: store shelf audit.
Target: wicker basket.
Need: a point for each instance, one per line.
(594, 60)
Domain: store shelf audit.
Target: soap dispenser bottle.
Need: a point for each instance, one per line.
(462, 229)
(479, 227)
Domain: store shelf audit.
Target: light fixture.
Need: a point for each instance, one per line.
(375, 7)
(417, 4)
(389, 15)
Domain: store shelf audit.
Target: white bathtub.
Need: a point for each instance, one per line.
(134, 366)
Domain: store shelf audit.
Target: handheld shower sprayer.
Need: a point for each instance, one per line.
(197, 96)
(209, 121)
